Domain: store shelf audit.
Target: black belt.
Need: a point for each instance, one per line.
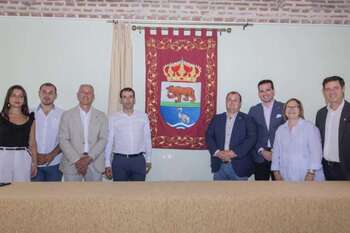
(128, 155)
(13, 148)
(331, 163)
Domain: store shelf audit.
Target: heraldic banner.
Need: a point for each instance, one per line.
(181, 82)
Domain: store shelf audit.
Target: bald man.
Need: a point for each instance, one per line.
(83, 137)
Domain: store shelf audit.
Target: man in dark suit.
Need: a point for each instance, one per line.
(230, 137)
(267, 117)
(333, 121)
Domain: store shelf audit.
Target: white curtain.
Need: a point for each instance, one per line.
(121, 67)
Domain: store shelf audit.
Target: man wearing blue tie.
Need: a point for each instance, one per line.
(230, 137)
(267, 117)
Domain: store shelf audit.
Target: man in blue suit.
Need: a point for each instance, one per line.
(267, 117)
(230, 137)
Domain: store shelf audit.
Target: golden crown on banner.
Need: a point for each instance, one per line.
(182, 71)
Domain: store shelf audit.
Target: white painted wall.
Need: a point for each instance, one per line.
(67, 53)
(297, 58)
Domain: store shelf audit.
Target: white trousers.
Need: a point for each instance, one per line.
(15, 165)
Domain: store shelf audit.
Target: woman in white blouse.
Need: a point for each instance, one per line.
(297, 150)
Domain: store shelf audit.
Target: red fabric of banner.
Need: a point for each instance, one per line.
(181, 82)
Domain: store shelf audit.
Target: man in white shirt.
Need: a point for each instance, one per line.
(83, 137)
(333, 121)
(129, 140)
(47, 120)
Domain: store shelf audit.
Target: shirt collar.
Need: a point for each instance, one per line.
(40, 108)
(83, 112)
(270, 107)
(298, 124)
(125, 114)
(233, 117)
(340, 107)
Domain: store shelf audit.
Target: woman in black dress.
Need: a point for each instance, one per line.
(18, 160)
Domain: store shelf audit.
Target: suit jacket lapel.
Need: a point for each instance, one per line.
(222, 128)
(273, 113)
(235, 129)
(92, 123)
(78, 123)
(322, 123)
(345, 116)
(262, 116)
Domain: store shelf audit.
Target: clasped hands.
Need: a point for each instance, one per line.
(45, 158)
(267, 154)
(226, 155)
(82, 164)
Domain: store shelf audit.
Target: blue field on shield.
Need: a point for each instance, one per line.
(180, 117)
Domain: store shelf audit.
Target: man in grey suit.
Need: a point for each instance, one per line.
(267, 116)
(83, 137)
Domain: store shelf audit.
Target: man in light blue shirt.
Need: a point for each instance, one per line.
(47, 120)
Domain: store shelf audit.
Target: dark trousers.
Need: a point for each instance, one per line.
(129, 169)
(49, 173)
(263, 171)
(332, 170)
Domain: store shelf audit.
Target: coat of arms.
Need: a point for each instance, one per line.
(180, 94)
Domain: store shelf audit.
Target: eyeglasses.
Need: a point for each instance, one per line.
(292, 107)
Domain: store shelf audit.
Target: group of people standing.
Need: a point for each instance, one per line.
(275, 141)
(47, 143)
(272, 141)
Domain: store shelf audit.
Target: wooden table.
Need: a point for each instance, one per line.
(176, 207)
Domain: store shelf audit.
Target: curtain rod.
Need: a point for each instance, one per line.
(135, 27)
(183, 23)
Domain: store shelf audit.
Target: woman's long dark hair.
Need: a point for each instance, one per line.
(6, 108)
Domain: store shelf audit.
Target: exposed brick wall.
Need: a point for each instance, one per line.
(254, 11)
